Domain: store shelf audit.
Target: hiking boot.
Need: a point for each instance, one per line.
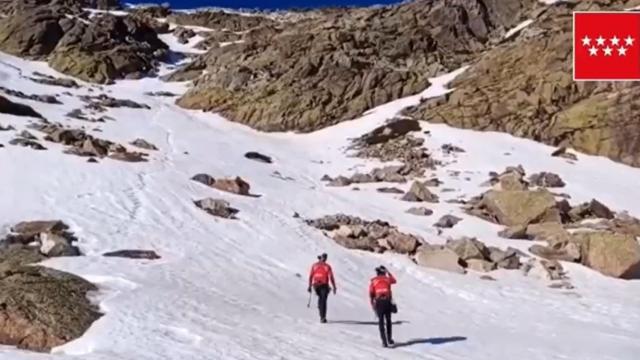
(391, 342)
(324, 321)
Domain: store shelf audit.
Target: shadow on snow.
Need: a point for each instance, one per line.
(432, 341)
(355, 322)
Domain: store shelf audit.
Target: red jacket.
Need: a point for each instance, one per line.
(381, 286)
(321, 274)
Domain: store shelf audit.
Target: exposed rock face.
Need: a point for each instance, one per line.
(441, 258)
(235, 186)
(110, 47)
(525, 87)
(9, 107)
(356, 233)
(563, 252)
(217, 207)
(31, 33)
(219, 20)
(335, 67)
(389, 131)
(102, 50)
(183, 34)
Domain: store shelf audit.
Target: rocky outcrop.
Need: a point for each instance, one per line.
(27, 143)
(47, 99)
(101, 50)
(53, 81)
(9, 107)
(525, 87)
(48, 238)
(220, 20)
(323, 70)
(183, 34)
(82, 144)
(515, 207)
(103, 100)
(356, 233)
(217, 207)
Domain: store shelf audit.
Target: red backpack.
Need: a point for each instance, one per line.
(320, 273)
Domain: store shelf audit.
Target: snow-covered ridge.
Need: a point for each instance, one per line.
(236, 289)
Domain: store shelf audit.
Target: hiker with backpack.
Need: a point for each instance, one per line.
(382, 302)
(319, 277)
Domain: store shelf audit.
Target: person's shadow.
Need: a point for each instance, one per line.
(356, 322)
(432, 341)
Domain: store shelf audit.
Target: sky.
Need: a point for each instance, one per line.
(265, 4)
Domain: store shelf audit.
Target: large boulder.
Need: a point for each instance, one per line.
(469, 248)
(439, 257)
(616, 255)
(42, 308)
(520, 207)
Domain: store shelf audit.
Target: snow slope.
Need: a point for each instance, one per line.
(236, 289)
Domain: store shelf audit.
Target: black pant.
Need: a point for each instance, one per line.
(323, 293)
(383, 310)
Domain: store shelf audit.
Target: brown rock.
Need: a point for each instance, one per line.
(480, 265)
(518, 207)
(447, 222)
(43, 308)
(612, 254)
(469, 248)
(563, 252)
(235, 186)
(439, 257)
(216, 207)
(419, 192)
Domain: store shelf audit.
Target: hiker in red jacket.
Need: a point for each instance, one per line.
(382, 302)
(319, 278)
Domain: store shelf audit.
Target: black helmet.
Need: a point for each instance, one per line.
(323, 257)
(381, 270)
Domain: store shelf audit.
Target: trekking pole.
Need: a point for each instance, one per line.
(309, 302)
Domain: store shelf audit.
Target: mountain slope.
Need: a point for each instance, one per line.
(229, 289)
